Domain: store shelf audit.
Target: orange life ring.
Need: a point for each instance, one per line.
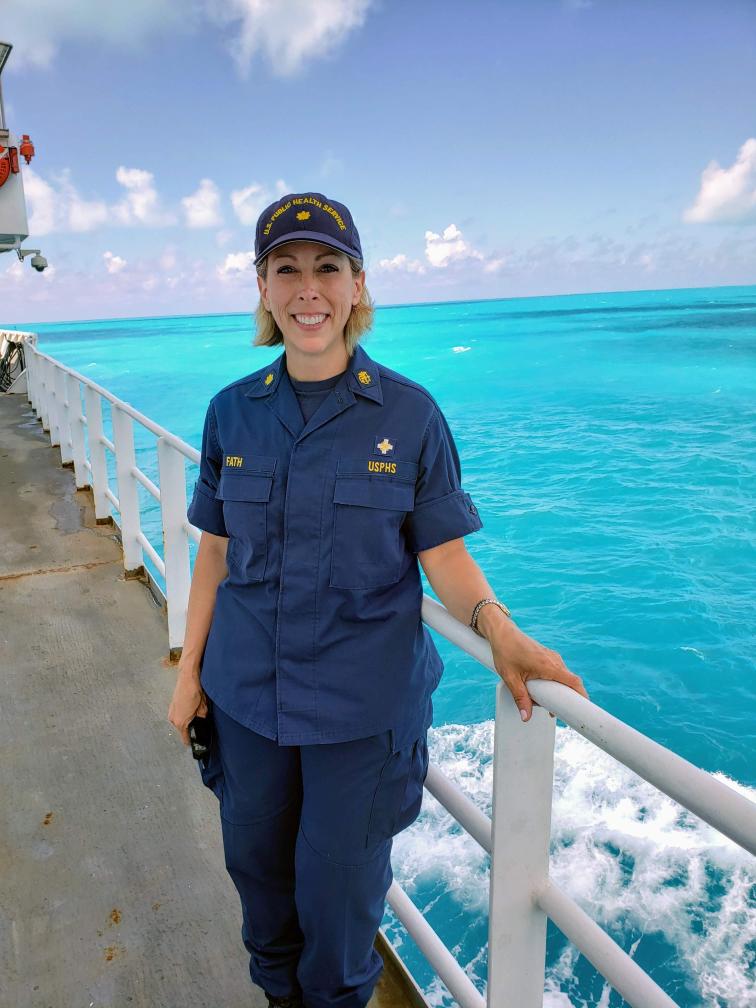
(5, 165)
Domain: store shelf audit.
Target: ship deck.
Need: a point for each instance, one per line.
(114, 890)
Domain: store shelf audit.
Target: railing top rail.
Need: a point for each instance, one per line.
(176, 442)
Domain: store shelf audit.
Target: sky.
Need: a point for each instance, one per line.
(486, 149)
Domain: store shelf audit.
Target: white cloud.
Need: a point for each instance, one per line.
(162, 276)
(41, 201)
(494, 265)
(441, 251)
(38, 29)
(202, 208)
(148, 284)
(400, 263)
(85, 215)
(58, 206)
(28, 286)
(727, 194)
(141, 204)
(289, 34)
(448, 247)
(248, 203)
(15, 271)
(113, 263)
(237, 265)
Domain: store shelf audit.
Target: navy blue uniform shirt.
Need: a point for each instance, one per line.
(316, 635)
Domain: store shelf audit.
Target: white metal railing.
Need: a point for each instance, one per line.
(55, 393)
(517, 836)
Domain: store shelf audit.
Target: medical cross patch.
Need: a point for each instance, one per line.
(384, 445)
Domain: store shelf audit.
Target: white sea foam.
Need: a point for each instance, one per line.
(694, 651)
(633, 859)
(460, 349)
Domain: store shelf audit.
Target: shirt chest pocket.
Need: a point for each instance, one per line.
(245, 493)
(369, 510)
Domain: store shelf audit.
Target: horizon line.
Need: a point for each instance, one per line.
(385, 307)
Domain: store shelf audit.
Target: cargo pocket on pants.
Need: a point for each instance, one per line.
(399, 795)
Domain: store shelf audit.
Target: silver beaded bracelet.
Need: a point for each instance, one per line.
(479, 606)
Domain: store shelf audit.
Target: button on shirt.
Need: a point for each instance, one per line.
(316, 634)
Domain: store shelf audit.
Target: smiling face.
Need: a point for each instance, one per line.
(310, 289)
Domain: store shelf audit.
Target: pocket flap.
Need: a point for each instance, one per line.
(243, 486)
(376, 493)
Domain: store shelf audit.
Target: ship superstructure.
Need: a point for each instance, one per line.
(14, 225)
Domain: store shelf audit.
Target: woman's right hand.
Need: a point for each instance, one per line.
(189, 701)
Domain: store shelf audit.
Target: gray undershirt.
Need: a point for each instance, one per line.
(312, 394)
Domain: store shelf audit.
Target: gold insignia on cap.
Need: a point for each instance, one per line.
(364, 377)
(269, 377)
(384, 446)
(303, 215)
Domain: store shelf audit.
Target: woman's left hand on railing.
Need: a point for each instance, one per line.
(459, 584)
(519, 658)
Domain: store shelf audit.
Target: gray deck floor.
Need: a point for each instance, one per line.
(113, 890)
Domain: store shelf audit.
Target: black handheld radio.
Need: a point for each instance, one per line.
(201, 736)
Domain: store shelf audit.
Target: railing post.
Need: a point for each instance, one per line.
(76, 425)
(128, 497)
(40, 403)
(31, 374)
(46, 394)
(172, 470)
(521, 827)
(97, 455)
(64, 420)
(54, 405)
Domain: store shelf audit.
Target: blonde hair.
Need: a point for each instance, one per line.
(359, 322)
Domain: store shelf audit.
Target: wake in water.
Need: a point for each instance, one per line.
(673, 892)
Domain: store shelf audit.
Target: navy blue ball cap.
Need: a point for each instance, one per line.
(306, 217)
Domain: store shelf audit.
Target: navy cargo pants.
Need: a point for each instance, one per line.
(307, 838)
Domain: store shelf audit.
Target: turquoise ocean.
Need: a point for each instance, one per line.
(609, 442)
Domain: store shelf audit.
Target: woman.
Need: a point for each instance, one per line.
(324, 478)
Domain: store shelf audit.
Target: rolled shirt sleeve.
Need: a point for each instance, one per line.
(443, 510)
(205, 510)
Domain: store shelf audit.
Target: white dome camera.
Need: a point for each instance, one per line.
(39, 263)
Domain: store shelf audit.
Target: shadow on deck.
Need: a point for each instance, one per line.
(114, 890)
